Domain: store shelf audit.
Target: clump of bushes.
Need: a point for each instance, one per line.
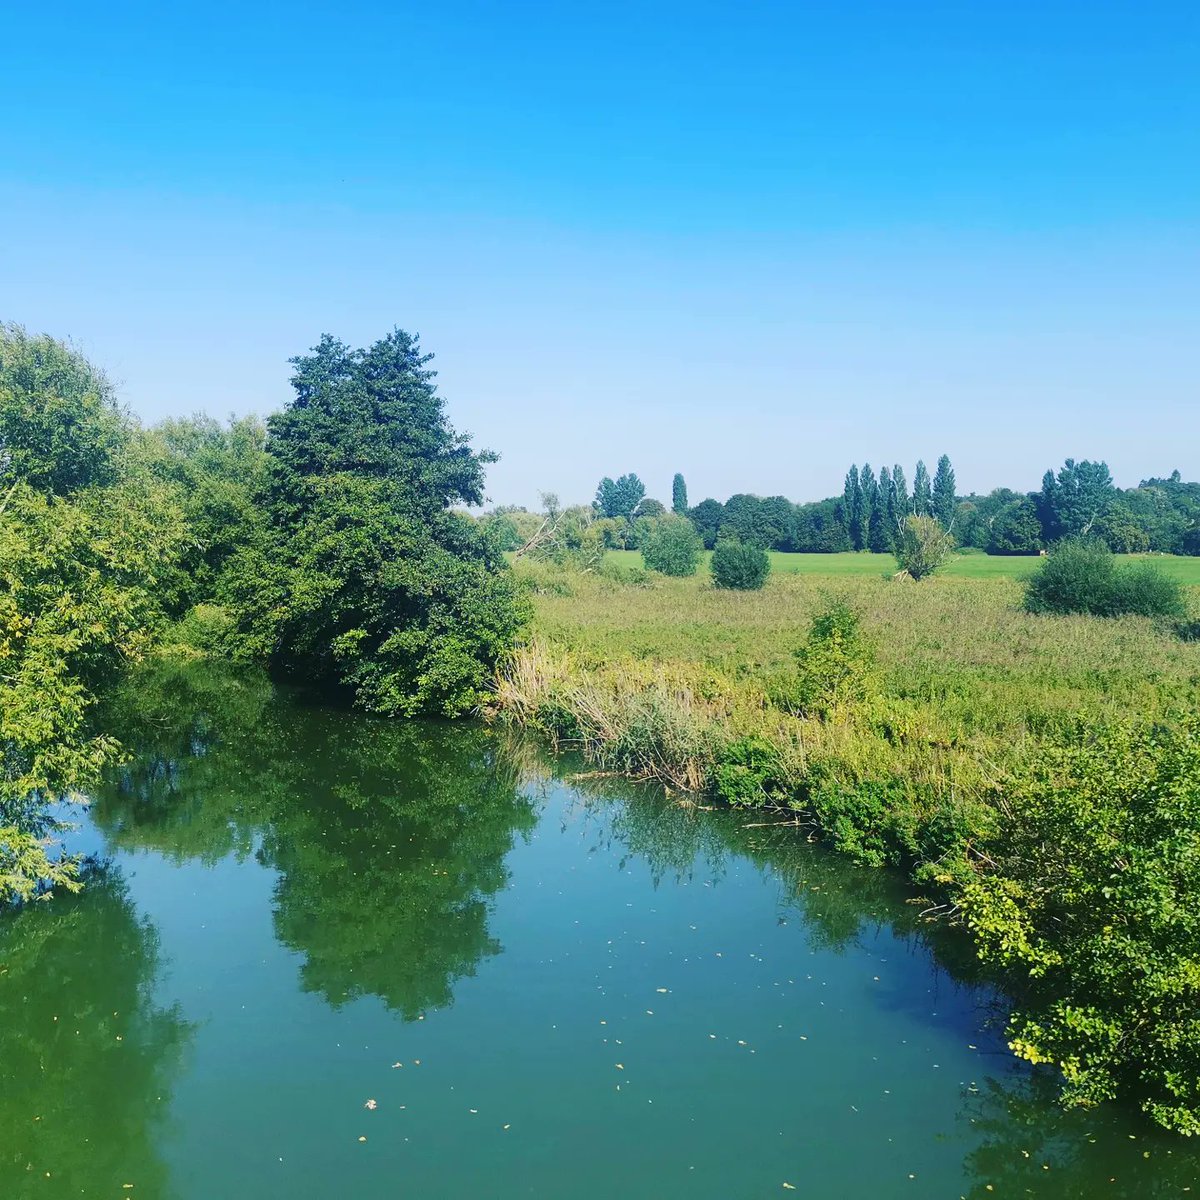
(739, 565)
(1081, 576)
(672, 546)
(923, 546)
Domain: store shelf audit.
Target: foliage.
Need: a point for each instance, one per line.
(679, 504)
(751, 771)
(1091, 897)
(922, 499)
(672, 547)
(707, 517)
(60, 428)
(739, 565)
(1080, 575)
(620, 497)
(88, 536)
(835, 665)
(1072, 501)
(1015, 529)
(942, 498)
(363, 577)
(923, 547)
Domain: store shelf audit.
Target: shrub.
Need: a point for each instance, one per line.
(740, 566)
(1144, 589)
(923, 547)
(1081, 576)
(1090, 896)
(1077, 577)
(835, 663)
(672, 546)
(750, 772)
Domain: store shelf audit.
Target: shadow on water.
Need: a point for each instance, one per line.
(390, 842)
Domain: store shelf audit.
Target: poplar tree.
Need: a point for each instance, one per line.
(943, 492)
(922, 494)
(679, 504)
(852, 508)
(900, 490)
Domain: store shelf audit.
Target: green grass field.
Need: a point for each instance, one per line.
(962, 566)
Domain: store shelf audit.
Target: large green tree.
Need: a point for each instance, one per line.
(88, 538)
(619, 497)
(943, 492)
(922, 497)
(363, 575)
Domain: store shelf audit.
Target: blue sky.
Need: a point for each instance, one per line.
(750, 242)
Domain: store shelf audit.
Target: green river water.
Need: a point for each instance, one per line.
(326, 956)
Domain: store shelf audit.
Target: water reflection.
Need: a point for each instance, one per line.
(389, 838)
(87, 1057)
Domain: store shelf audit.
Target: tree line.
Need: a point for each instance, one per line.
(1161, 514)
(329, 543)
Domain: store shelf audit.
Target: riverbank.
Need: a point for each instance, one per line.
(954, 728)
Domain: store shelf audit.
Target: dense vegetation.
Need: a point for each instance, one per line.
(325, 544)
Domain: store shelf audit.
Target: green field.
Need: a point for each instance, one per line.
(962, 566)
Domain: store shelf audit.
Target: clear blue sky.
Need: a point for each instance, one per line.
(752, 242)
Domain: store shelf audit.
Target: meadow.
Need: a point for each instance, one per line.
(961, 566)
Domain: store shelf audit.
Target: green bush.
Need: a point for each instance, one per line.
(740, 566)
(923, 547)
(672, 546)
(1087, 893)
(1143, 588)
(750, 772)
(835, 664)
(1081, 576)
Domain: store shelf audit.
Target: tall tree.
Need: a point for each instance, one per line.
(922, 502)
(900, 488)
(365, 578)
(853, 509)
(1073, 501)
(620, 497)
(679, 504)
(887, 504)
(707, 517)
(943, 492)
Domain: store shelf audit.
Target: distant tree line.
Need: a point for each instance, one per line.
(1078, 500)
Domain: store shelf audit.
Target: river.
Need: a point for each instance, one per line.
(323, 955)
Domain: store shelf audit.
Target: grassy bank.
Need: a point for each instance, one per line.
(987, 751)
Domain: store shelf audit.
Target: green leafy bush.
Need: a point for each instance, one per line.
(1081, 576)
(750, 772)
(672, 546)
(835, 664)
(1089, 896)
(740, 566)
(923, 546)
